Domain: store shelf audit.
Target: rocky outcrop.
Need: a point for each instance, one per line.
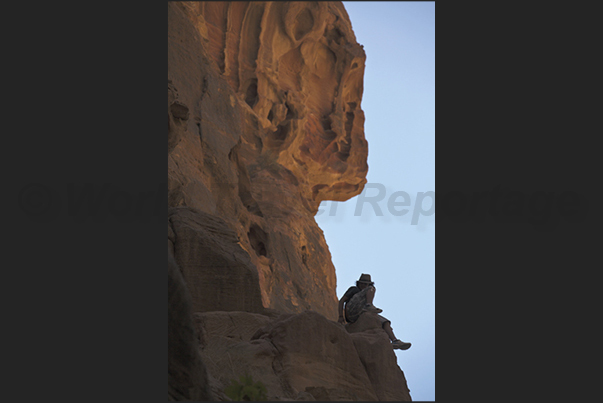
(301, 356)
(375, 353)
(316, 353)
(264, 123)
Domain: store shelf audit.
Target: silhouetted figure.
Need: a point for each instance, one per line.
(359, 299)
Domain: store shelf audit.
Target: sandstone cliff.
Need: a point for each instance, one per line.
(264, 122)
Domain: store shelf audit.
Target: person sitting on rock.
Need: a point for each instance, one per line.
(358, 300)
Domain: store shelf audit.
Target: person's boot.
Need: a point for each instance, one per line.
(400, 345)
(372, 309)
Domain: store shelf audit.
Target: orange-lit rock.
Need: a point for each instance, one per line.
(264, 122)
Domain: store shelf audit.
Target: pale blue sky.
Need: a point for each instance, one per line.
(399, 104)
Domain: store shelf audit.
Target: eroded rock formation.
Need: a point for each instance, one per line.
(264, 123)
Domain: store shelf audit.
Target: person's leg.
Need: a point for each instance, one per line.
(390, 332)
(396, 343)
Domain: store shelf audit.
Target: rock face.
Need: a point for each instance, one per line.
(375, 353)
(264, 123)
(301, 356)
(219, 273)
(187, 376)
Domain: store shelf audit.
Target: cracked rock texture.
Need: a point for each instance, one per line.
(264, 123)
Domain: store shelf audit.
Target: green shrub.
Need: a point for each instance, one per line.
(246, 390)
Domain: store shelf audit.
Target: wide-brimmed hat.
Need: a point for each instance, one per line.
(366, 279)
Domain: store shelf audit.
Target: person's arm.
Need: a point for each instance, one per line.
(342, 301)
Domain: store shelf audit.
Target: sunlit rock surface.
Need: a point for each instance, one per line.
(264, 123)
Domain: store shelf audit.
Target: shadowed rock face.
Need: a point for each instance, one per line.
(302, 356)
(375, 352)
(187, 375)
(264, 122)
